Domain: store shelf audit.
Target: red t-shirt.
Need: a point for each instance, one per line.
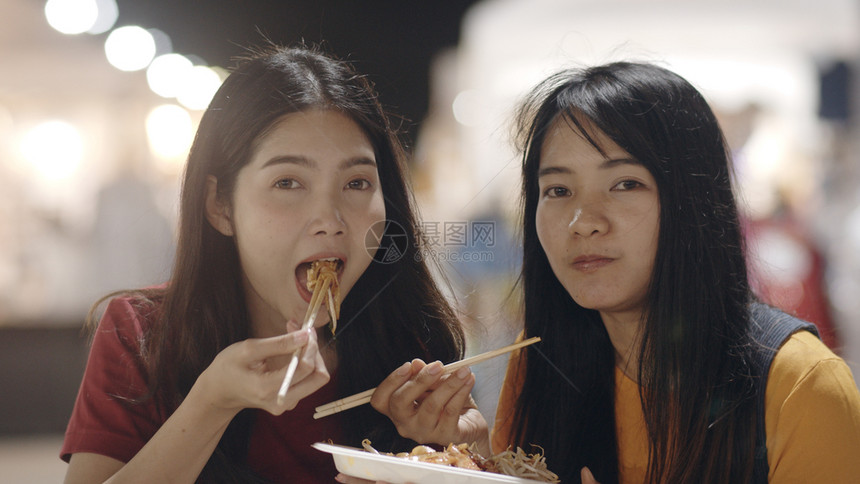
(105, 423)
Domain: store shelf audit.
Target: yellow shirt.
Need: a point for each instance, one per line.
(812, 417)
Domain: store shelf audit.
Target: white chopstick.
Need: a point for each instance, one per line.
(332, 317)
(310, 317)
(364, 397)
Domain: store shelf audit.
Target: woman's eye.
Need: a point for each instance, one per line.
(358, 184)
(287, 183)
(628, 185)
(556, 192)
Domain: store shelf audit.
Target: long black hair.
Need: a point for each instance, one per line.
(694, 374)
(394, 313)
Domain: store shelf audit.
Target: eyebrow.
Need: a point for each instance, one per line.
(605, 165)
(302, 161)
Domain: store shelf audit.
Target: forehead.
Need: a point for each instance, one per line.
(566, 140)
(314, 132)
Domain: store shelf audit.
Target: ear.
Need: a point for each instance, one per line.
(217, 212)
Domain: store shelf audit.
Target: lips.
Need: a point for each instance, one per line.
(302, 272)
(590, 263)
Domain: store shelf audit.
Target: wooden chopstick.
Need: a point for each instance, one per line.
(364, 397)
(449, 368)
(310, 316)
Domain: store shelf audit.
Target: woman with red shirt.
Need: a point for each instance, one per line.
(294, 161)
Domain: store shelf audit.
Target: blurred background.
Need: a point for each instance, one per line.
(99, 100)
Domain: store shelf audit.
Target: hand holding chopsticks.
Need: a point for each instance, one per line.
(364, 397)
(319, 295)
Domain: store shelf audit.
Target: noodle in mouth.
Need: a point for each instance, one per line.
(319, 271)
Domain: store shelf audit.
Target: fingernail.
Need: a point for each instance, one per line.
(302, 337)
(404, 369)
(339, 478)
(587, 473)
(462, 373)
(435, 368)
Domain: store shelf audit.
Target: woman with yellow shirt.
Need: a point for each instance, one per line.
(656, 362)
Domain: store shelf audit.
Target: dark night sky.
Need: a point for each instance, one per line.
(391, 41)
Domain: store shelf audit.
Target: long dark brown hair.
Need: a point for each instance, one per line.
(395, 312)
(695, 379)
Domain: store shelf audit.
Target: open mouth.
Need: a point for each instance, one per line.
(302, 275)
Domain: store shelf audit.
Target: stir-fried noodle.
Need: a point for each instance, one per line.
(512, 463)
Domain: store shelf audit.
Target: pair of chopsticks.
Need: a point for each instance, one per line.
(364, 397)
(323, 286)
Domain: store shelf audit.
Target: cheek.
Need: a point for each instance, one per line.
(548, 230)
(647, 247)
(267, 225)
(367, 217)
(370, 217)
(377, 208)
(651, 241)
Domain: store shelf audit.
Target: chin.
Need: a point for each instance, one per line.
(597, 303)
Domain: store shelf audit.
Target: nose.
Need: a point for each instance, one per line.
(326, 217)
(587, 220)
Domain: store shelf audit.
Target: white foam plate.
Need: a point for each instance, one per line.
(396, 470)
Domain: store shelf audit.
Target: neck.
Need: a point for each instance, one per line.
(624, 333)
(328, 348)
(263, 328)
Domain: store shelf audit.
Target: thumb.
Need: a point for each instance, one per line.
(587, 477)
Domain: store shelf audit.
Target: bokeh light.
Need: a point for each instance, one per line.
(54, 149)
(163, 44)
(167, 74)
(466, 108)
(130, 48)
(170, 131)
(108, 13)
(71, 16)
(202, 84)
